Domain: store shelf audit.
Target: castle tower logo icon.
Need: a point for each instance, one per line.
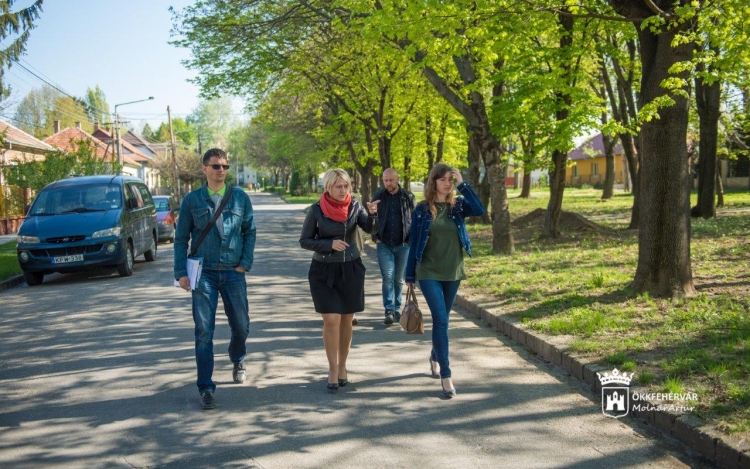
(615, 393)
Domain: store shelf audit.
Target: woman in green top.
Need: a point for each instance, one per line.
(437, 243)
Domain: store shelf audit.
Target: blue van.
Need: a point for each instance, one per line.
(87, 222)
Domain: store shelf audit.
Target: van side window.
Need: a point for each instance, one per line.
(145, 195)
(136, 194)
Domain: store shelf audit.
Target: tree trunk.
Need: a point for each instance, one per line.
(628, 147)
(481, 185)
(664, 268)
(526, 188)
(429, 143)
(502, 237)
(384, 150)
(559, 157)
(609, 170)
(440, 150)
(707, 98)
(556, 191)
(719, 185)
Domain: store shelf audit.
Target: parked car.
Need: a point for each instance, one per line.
(416, 187)
(87, 222)
(167, 212)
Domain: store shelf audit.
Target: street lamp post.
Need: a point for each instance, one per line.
(117, 130)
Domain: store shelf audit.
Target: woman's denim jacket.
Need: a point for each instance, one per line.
(233, 250)
(467, 205)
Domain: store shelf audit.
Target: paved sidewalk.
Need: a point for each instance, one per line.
(98, 371)
(7, 238)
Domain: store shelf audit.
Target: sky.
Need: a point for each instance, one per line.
(120, 46)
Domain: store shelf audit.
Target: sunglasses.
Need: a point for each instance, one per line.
(217, 167)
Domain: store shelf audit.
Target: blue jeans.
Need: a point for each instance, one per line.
(233, 288)
(440, 296)
(392, 262)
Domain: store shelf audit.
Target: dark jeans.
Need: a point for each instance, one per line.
(233, 289)
(440, 296)
(392, 262)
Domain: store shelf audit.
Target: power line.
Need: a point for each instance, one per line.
(21, 122)
(93, 108)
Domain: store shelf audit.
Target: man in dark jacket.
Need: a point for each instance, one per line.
(391, 234)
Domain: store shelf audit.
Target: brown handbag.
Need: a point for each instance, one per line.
(411, 316)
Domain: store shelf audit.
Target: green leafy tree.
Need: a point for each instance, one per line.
(40, 108)
(96, 105)
(213, 120)
(15, 26)
(36, 174)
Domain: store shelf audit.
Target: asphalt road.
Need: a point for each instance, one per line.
(98, 371)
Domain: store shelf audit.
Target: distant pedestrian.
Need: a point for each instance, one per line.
(337, 274)
(437, 244)
(227, 252)
(391, 235)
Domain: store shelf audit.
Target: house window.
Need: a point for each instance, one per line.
(575, 171)
(594, 169)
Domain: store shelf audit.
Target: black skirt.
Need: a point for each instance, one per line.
(338, 287)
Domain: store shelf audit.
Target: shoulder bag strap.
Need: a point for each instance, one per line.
(224, 200)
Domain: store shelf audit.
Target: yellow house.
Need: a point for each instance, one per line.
(589, 165)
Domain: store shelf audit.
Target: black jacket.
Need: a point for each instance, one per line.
(407, 207)
(319, 231)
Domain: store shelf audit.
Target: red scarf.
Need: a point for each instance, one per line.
(333, 209)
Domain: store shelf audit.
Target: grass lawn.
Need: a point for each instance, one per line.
(8, 261)
(576, 287)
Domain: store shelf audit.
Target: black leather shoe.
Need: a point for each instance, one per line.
(332, 387)
(207, 400)
(388, 318)
(239, 373)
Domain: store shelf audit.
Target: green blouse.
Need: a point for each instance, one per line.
(443, 257)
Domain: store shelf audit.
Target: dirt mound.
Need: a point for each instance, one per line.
(569, 223)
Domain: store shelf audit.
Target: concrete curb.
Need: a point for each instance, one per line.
(725, 451)
(11, 282)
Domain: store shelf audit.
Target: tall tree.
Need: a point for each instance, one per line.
(40, 108)
(664, 267)
(96, 105)
(16, 25)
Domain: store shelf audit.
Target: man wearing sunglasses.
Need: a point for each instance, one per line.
(227, 252)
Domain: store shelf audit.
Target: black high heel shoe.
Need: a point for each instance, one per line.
(433, 373)
(343, 382)
(449, 393)
(332, 387)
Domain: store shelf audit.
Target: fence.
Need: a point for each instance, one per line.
(13, 202)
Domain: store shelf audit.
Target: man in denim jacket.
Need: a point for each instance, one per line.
(227, 253)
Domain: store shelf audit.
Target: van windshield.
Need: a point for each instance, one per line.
(77, 199)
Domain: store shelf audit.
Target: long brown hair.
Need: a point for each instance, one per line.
(430, 190)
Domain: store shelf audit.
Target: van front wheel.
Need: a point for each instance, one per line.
(150, 255)
(125, 268)
(33, 278)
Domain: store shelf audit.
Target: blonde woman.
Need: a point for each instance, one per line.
(437, 243)
(337, 274)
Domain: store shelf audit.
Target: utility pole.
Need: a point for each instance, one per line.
(174, 157)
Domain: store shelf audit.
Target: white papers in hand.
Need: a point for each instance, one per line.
(194, 269)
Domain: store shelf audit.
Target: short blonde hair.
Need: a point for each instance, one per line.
(330, 177)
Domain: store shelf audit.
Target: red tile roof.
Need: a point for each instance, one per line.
(17, 137)
(128, 150)
(66, 140)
